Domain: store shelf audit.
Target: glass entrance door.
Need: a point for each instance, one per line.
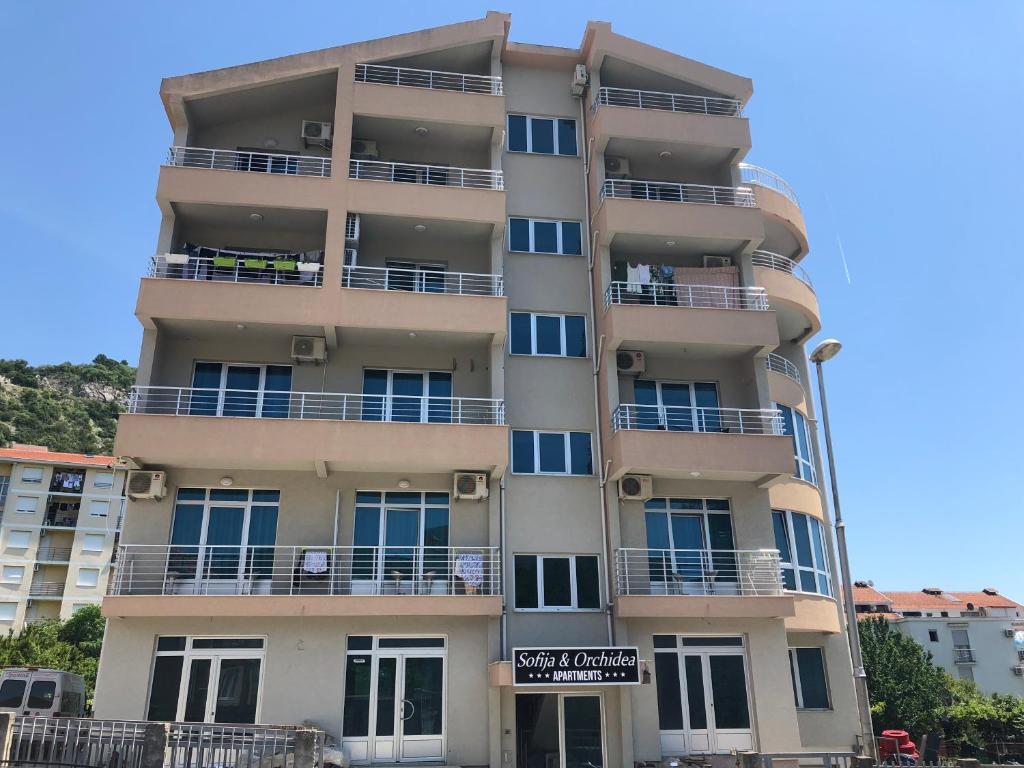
(221, 689)
(556, 730)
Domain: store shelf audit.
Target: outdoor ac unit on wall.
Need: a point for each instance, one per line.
(630, 362)
(364, 150)
(471, 486)
(616, 167)
(636, 487)
(717, 261)
(580, 78)
(1018, 670)
(309, 349)
(1007, 633)
(316, 131)
(146, 485)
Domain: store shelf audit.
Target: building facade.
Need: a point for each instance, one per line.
(476, 371)
(61, 517)
(977, 636)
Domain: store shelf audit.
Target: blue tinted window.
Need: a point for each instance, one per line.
(575, 336)
(580, 453)
(517, 133)
(549, 335)
(567, 137)
(522, 451)
(552, 452)
(519, 234)
(542, 133)
(545, 236)
(571, 238)
(521, 332)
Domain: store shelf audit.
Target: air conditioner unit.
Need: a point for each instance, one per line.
(316, 131)
(580, 78)
(471, 486)
(616, 167)
(1007, 633)
(636, 487)
(630, 362)
(309, 349)
(146, 485)
(1018, 670)
(364, 150)
(717, 261)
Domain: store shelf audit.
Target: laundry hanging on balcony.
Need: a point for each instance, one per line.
(315, 561)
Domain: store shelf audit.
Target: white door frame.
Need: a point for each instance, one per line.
(216, 655)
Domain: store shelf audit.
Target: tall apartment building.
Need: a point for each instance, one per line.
(462, 357)
(977, 636)
(60, 515)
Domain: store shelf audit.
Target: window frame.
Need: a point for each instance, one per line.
(3, 608)
(804, 468)
(20, 511)
(32, 480)
(10, 580)
(532, 222)
(563, 335)
(14, 545)
(93, 536)
(98, 475)
(86, 585)
(573, 583)
(99, 503)
(793, 563)
(567, 446)
(797, 678)
(555, 143)
(221, 390)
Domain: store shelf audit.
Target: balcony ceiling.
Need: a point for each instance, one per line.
(441, 139)
(653, 249)
(236, 218)
(617, 73)
(472, 59)
(375, 227)
(284, 96)
(644, 157)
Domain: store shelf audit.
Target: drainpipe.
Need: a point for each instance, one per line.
(598, 352)
(504, 565)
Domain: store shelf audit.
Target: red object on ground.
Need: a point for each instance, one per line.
(893, 741)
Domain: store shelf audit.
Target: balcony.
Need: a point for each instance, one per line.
(46, 590)
(248, 162)
(785, 384)
(962, 655)
(189, 427)
(232, 266)
(308, 580)
(790, 294)
(700, 583)
(428, 78)
(785, 230)
(711, 443)
(53, 555)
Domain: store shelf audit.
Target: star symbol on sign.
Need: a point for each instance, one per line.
(531, 675)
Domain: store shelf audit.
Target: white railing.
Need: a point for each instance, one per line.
(255, 162)
(682, 295)
(671, 192)
(672, 102)
(428, 78)
(685, 418)
(422, 281)
(762, 177)
(779, 364)
(781, 264)
(963, 655)
(247, 403)
(254, 570)
(237, 267)
(433, 175)
(698, 572)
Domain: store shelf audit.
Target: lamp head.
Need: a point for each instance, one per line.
(825, 351)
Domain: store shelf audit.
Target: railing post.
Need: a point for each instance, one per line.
(154, 745)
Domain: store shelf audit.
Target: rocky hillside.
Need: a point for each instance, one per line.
(67, 407)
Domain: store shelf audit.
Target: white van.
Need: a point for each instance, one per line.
(42, 692)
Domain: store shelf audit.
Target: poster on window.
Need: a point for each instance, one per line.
(576, 666)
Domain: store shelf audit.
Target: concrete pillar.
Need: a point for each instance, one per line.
(154, 745)
(305, 748)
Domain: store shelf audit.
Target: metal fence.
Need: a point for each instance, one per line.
(672, 192)
(53, 741)
(823, 759)
(254, 570)
(682, 295)
(698, 572)
(432, 175)
(780, 264)
(253, 162)
(672, 102)
(422, 281)
(779, 364)
(682, 418)
(428, 78)
(237, 267)
(762, 177)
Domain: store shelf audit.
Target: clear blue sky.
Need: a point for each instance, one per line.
(899, 124)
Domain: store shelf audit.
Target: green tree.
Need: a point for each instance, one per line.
(975, 722)
(907, 691)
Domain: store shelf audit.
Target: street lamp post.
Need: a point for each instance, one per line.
(825, 351)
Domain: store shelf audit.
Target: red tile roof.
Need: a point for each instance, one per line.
(869, 595)
(41, 454)
(920, 600)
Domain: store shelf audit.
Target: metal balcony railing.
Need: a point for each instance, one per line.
(963, 655)
(672, 102)
(246, 403)
(61, 519)
(681, 418)
(253, 162)
(780, 264)
(428, 78)
(306, 570)
(762, 177)
(238, 267)
(779, 364)
(422, 281)
(46, 589)
(698, 572)
(671, 192)
(680, 295)
(431, 175)
(53, 554)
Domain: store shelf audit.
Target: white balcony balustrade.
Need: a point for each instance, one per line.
(252, 162)
(671, 102)
(780, 263)
(255, 570)
(428, 78)
(779, 364)
(672, 192)
(244, 403)
(681, 418)
(237, 267)
(698, 572)
(422, 281)
(682, 295)
(762, 177)
(431, 175)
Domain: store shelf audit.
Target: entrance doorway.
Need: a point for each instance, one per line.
(703, 704)
(394, 707)
(559, 730)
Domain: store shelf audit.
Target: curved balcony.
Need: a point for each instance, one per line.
(785, 230)
(813, 613)
(784, 382)
(790, 294)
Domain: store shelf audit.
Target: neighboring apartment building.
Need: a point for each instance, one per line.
(61, 514)
(976, 636)
(447, 354)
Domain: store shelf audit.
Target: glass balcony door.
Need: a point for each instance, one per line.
(223, 389)
(415, 276)
(677, 406)
(407, 396)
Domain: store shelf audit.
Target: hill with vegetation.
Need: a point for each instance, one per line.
(66, 407)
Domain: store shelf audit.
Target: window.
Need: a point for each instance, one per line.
(810, 686)
(557, 583)
(541, 135)
(93, 542)
(7, 613)
(103, 480)
(26, 504)
(13, 574)
(676, 406)
(551, 453)
(933, 635)
(802, 535)
(88, 577)
(99, 508)
(687, 540)
(544, 236)
(40, 695)
(76, 607)
(795, 425)
(12, 693)
(222, 389)
(531, 333)
(19, 539)
(407, 396)
(32, 475)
